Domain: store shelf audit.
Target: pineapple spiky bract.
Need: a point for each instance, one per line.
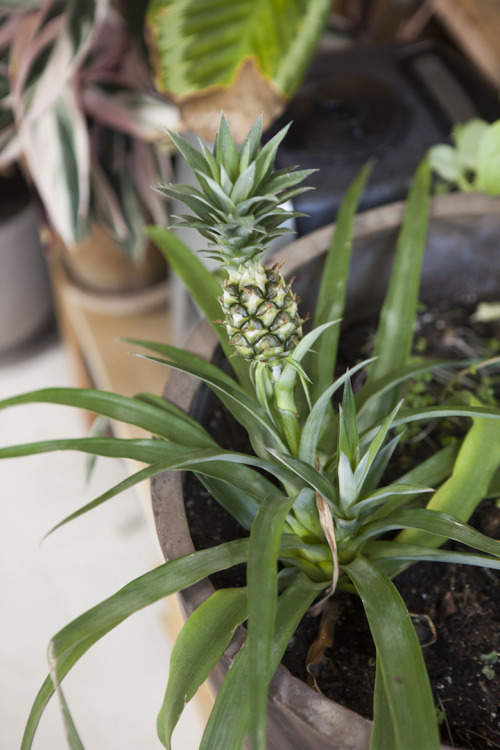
(239, 210)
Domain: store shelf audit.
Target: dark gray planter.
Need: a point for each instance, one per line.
(25, 294)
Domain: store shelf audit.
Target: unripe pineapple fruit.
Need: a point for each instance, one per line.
(238, 208)
(261, 315)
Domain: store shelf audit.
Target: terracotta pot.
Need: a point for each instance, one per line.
(463, 239)
(98, 265)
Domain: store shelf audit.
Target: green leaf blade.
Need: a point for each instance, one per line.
(262, 582)
(399, 658)
(331, 296)
(197, 649)
(395, 330)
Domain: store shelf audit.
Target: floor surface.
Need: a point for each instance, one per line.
(116, 690)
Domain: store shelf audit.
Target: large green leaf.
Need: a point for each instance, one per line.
(229, 722)
(262, 582)
(197, 46)
(147, 450)
(475, 466)
(330, 303)
(245, 410)
(395, 330)
(237, 488)
(383, 728)
(396, 554)
(436, 524)
(197, 649)
(400, 660)
(69, 645)
(152, 414)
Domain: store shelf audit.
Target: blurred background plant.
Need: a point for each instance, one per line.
(471, 163)
(79, 112)
(245, 58)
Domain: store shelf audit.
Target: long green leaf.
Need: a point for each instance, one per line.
(229, 722)
(367, 505)
(145, 450)
(186, 358)
(383, 728)
(240, 504)
(395, 330)
(399, 658)
(262, 582)
(330, 303)
(125, 484)
(436, 524)
(181, 425)
(70, 643)
(397, 552)
(245, 410)
(476, 464)
(239, 489)
(434, 412)
(312, 426)
(372, 391)
(197, 649)
(135, 411)
(307, 474)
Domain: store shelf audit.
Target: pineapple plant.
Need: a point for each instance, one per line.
(239, 210)
(312, 494)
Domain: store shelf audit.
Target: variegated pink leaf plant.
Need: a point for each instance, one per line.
(79, 111)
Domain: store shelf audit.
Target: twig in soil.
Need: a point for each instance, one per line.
(324, 639)
(446, 722)
(467, 370)
(491, 743)
(426, 620)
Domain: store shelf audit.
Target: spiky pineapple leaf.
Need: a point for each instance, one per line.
(229, 721)
(435, 524)
(197, 649)
(312, 427)
(332, 292)
(394, 336)
(226, 150)
(399, 659)
(140, 411)
(74, 640)
(262, 582)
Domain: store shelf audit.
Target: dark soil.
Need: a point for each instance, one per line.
(455, 609)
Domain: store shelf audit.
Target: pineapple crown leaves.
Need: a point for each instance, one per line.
(238, 206)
